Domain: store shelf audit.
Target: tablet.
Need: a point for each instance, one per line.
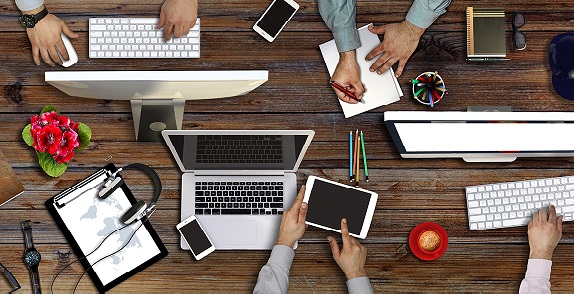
(330, 201)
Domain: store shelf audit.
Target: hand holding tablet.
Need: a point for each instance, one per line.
(329, 202)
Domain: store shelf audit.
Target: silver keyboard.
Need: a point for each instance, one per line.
(511, 204)
(138, 38)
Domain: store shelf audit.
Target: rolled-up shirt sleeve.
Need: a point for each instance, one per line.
(424, 12)
(537, 277)
(27, 5)
(274, 276)
(340, 17)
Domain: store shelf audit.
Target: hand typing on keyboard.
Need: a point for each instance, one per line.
(544, 233)
(177, 17)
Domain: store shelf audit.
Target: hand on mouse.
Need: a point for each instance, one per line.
(544, 233)
(351, 259)
(46, 40)
(293, 222)
(177, 17)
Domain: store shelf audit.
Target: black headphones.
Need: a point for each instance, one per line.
(139, 210)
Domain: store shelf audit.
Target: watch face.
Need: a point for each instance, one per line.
(28, 21)
(32, 257)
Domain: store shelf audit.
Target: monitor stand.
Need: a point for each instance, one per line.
(153, 116)
(490, 159)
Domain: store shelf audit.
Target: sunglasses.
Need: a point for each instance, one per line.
(518, 37)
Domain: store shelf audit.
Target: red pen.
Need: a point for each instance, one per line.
(342, 89)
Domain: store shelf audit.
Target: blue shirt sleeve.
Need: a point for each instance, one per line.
(274, 276)
(27, 5)
(424, 12)
(340, 17)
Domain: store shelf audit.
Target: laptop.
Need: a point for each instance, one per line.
(238, 183)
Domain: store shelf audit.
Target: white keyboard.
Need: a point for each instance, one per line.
(512, 204)
(139, 38)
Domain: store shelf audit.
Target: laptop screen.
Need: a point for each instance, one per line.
(238, 152)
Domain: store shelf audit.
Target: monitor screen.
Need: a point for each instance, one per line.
(238, 152)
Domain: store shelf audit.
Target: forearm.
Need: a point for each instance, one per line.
(359, 285)
(340, 17)
(274, 276)
(424, 12)
(29, 5)
(537, 277)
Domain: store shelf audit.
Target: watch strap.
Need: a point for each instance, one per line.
(38, 16)
(27, 229)
(35, 276)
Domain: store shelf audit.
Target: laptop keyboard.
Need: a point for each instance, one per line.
(253, 198)
(239, 149)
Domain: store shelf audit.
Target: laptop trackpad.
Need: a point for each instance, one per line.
(240, 232)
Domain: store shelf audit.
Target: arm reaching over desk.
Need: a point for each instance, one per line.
(544, 233)
(44, 32)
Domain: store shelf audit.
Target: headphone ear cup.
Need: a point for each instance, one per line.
(134, 212)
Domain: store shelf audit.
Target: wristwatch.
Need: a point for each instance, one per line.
(30, 20)
(31, 257)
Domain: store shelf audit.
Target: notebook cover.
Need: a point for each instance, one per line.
(11, 186)
(485, 32)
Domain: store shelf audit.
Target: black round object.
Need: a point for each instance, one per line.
(32, 257)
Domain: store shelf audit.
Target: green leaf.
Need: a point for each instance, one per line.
(27, 135)
(49, 108)
(85, 135)
(50, 166)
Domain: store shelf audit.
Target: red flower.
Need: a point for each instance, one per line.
(48, 139)
(64, 121)
(69, 142)
(49, 118)
(63, 158)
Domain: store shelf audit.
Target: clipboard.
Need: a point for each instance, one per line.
(85, 220)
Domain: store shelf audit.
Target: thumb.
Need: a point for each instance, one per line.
(66, 30)
(359, 88)
(334, 247)
(302, 212)
(161, 22)
(559, 223)
(378, 29)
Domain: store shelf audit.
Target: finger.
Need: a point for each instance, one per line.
(559, 223)
(375, 52)
(177, 31)
(36, 55)
(359, 89)
(68, 32)
(400, 68)
(535, 217)
(334, 246)
(185, 30)
(62, 49)
(345, 233)
(167, 30)
(54, 55)
(543, 215)
(552, 214)
(297, 203)
(377, 29)
(302, 213)
(46, 57)
(161, 21)
(380, 61)
(344, 97)
(386, 66)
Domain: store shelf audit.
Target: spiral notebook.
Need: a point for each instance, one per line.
(485, 32)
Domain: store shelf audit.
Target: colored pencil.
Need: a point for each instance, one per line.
(364, 157)
(351, 156)
(358, 155)
(430, 98)
(355, 162)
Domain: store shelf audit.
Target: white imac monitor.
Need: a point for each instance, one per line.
(481, 136)
(157, 97)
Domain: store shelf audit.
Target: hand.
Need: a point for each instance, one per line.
(399, 43)
(353, 256)
(347, 74)
(293, 222)
(544, 233)
(46, 39)
(177, 16)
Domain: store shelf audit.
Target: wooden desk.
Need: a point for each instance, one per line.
(297, 96)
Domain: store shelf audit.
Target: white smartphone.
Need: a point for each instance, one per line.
(195, 237)
(330, 201)
(275, 18)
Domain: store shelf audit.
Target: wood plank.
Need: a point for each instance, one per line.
(390, 267)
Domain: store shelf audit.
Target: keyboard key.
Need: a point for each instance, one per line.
(236, 211)
(515, 222)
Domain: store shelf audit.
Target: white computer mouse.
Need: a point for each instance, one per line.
(71, 52)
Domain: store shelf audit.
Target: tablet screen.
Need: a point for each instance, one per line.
(329, 203)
